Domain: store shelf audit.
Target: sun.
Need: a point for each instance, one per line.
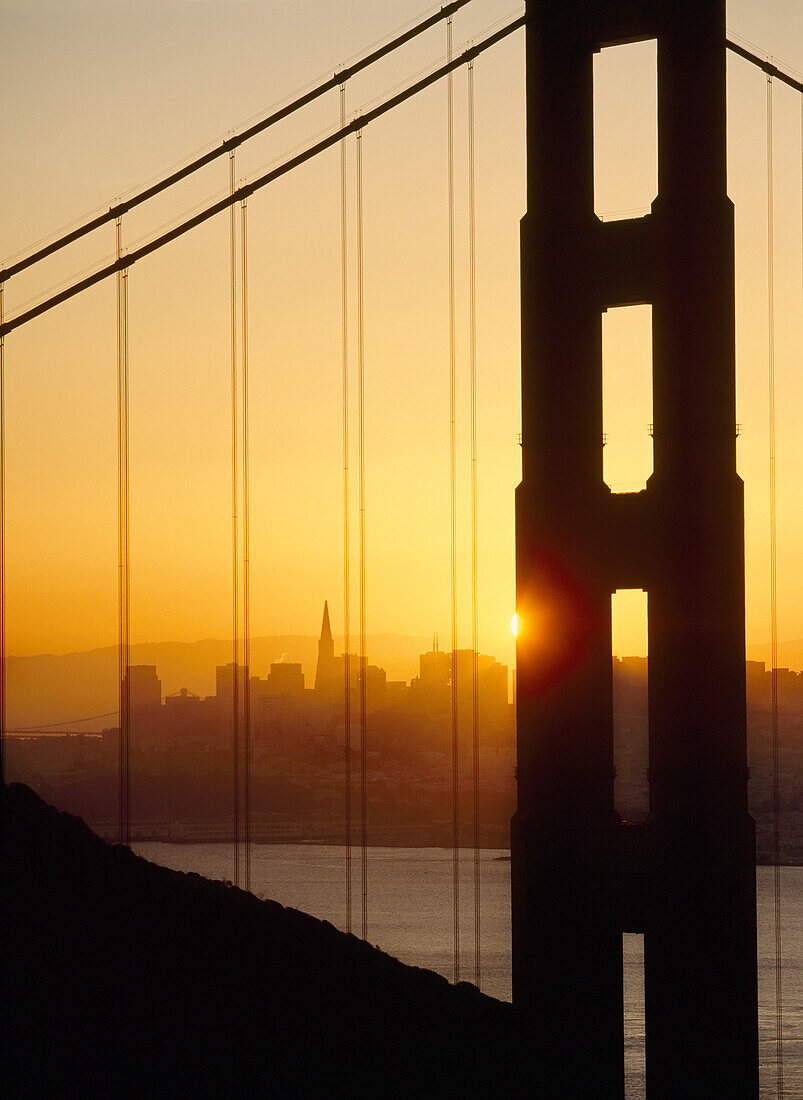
(514, 626)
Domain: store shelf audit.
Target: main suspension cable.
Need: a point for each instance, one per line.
(776, 793)
(235, 693)
(765, 65)
(363, 638)
(341, 76)
(359, 122)
(475, 667)
(453, 514)
(230, 144)
(123, 549)
(346, 548)
(246, 551)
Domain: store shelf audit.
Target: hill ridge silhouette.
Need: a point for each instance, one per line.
(125, 976)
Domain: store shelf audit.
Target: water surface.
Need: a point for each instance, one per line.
(410, 915)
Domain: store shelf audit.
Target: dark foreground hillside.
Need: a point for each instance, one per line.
(122, 977)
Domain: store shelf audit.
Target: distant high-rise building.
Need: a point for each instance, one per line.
(434, 668)
(430, 691)
(330, 673)
(224, 682)
(492, 686)
(187, 718)
(145, 701)
(328, 681)
(145, 688)
(285, 678)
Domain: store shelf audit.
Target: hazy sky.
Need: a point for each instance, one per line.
(102, 95)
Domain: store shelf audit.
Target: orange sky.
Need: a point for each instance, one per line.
(102, 96)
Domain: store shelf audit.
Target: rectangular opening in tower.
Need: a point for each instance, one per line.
(627, 397)
(625, 130)
(633, 978)
(630, 718)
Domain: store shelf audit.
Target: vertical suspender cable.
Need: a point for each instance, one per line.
(235, 692)
(346, 548)
(127, 569)
(363, 640)
(123, 553)
(475, 668)
(2, 545)
(453, 514)
(121, 666)
(776, 799)
(246, 553)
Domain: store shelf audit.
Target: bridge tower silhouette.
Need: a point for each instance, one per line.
(685, 877)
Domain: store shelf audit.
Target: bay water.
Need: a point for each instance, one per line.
(410, 915)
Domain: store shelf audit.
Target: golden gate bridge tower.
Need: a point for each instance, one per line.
(685, 877)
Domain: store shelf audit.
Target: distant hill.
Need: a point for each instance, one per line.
(49, 688)
(127, 979)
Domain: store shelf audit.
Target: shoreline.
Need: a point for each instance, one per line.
(331, 841)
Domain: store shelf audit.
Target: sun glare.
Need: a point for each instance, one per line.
(514, 625)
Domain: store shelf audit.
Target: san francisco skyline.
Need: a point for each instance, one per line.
(170, 84)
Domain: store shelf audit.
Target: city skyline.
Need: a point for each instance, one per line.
(61, 559)
(494, 326)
